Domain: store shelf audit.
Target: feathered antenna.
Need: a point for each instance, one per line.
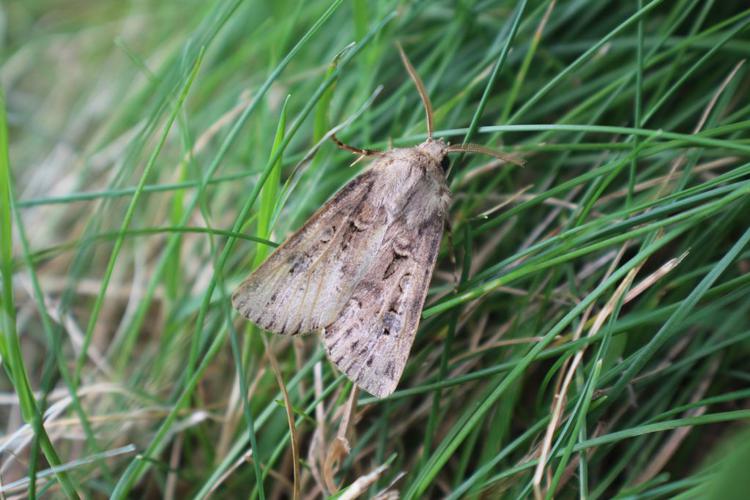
(476, 148)
(420, 88)
(469, 148)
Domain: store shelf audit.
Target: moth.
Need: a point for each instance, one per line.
(359, 269)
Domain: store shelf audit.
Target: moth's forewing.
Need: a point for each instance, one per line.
(371, 338)
(359, 268)
(304, 283)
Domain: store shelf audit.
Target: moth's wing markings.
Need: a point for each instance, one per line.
(277, 296)
(333, 274)
(271, 295)
(370, 340)
(315, 267)
(274, 295)
(266, 296)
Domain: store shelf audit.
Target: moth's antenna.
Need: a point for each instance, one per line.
(420, 88)
(476, 148)
(352, 149)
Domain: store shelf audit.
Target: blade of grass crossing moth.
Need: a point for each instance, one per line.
(130, 211)
(10, 344)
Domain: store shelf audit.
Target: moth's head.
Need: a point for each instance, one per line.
(437, 149)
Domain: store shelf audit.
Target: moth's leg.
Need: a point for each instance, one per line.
(356, 151)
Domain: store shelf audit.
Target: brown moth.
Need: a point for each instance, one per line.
(358, 270)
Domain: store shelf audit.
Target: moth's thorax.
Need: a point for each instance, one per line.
(410, 182)
(435, 148)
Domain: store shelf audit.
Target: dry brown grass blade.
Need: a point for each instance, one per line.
(361, 484)
(652, 278)
(316, 452)
(337, 451)
(642, 186)
(505, 202)
(701, 122)
(339, 447)
(245, 458)
(174, 464)
(560, 395)
(563, 383)
(289, 417)
(233, 411)
(569, 368)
